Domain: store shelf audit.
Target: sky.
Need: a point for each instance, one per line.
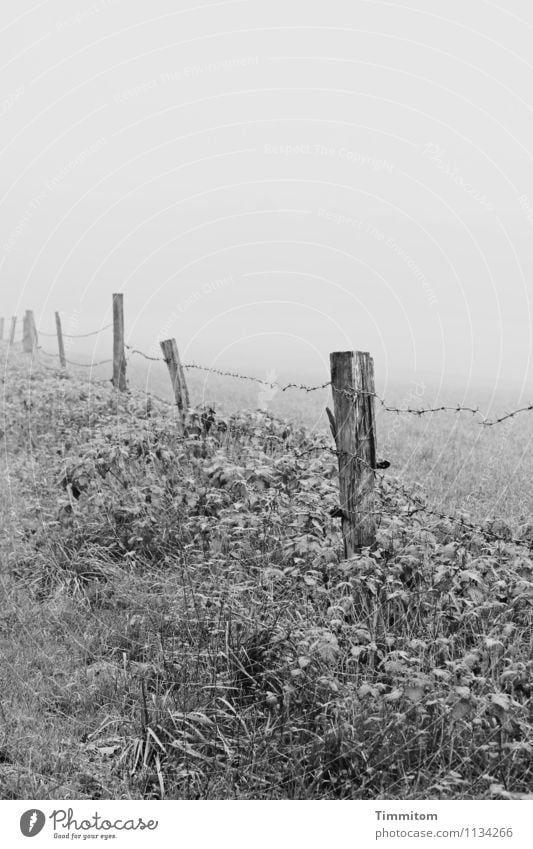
(270, 182)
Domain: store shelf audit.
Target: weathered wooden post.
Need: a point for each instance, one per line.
(12, 330)
(60, 343)
(1, 329)
(184, 387)
(119, 357)
(352, 382)
(26, 333)
(34, 336)
(177, 376)
(29, 341)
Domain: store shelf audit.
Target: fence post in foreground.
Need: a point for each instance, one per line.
(1, 329)
(352, 382)
(60, 343)
(12, 330)
(119, 358)
(172, 358)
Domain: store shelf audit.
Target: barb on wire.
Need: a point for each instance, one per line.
(347, 391)
(273, 385)
(146, 356)
(380, 464)
(475, 411)
(419, 506)
(490, 423)
(77, 335)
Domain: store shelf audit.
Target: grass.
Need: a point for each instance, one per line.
(179, 621)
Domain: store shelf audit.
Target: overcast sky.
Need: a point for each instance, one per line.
(270, 181)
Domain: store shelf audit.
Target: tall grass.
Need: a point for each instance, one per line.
(180, 621)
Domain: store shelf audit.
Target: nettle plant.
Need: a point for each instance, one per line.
(137, 487)
(281, 668)
(120, 487)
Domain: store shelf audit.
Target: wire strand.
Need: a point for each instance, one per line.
(348, 391)
(77, 335)
(146, 356)
(73, 363)
(271, 384)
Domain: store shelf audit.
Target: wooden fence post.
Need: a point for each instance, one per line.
(60, 343)
(1, 329)
(12, 330)
(28, 337)
(25, 333)
(352, 381)
(29, 340)
(177, 376)
(119, 358)
(184, 387)
(34, 338)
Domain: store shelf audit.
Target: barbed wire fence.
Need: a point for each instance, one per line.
(354, 400)
(77, 335)
(77, 364)
(416, 503)
(351, 393)
(456, 408)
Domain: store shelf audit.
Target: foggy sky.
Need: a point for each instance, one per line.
(270, 181)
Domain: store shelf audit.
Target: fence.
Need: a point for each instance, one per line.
(352, 421)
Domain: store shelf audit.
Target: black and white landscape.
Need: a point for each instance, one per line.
(266, 482)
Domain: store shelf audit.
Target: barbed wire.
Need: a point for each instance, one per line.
(146, 356)
(221, 373)
(271, 384)
(485, 422)
(73, 363)
(418, 505)
(512, 414)
(353, 394)
(77, 335)
(347, 391)
(89, 365)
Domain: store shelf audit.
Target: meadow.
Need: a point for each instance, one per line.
(179, 621)
(461, 466)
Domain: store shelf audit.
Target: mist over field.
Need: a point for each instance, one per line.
(242, 570)
(267, 188)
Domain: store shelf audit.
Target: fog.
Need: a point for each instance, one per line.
(268, 182)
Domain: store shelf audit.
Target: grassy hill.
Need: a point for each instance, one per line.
(178, 620)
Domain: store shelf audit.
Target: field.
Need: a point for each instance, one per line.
(179, 621)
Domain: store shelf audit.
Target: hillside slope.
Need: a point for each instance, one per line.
(178, 620)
